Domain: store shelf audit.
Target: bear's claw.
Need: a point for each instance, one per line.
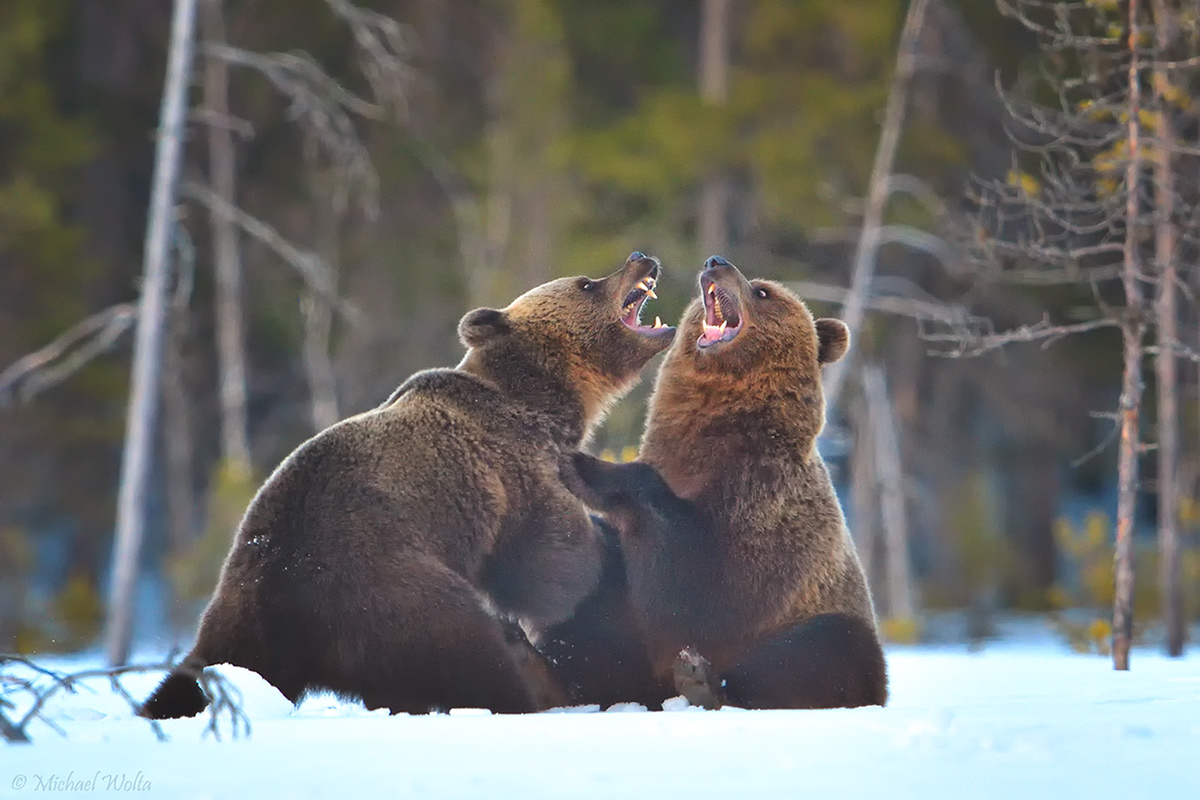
(696, 680)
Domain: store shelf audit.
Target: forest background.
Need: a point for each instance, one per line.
(516, 141)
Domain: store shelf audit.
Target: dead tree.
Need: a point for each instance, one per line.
(864, 490)
(227, 257)
(1087, 213)
(1132, 331)
(877, 193)
(1166, 251)
(143, 399)
(178, 444)
(340, 171)
(893, 511)
(712, 224)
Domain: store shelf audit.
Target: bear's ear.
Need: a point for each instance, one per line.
(833, 339)
(482, 325)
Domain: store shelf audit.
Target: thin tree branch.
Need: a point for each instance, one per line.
(385, 47)
(906, 235)
(891, 304)
(309, 265)
(33, 373)
(1104, 443)
(969, 345)
(225, 699)
(877, 190)
(328, 108)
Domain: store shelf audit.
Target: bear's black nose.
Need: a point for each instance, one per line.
(635, 255)
(715, 261)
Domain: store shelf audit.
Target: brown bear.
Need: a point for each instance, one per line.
(741, 576)
(388, 556)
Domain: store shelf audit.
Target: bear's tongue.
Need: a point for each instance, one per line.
(720, 315)
(713, 333)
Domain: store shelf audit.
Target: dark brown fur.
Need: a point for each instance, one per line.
(596, 653)
(733, 539)
(383, 558)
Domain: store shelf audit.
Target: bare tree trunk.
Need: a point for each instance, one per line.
(496, 206)
(177, 435)
(231, 344)
(318, 315)
(712, 225)
(318, 368)
(147, 353)
(864, 490)
(894, 514)
(526, 193)
(1131, 385)
(877, 194)
(1168, 336)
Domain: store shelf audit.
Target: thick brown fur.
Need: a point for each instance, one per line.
(386, 557)
(596, 653)
(733, 540)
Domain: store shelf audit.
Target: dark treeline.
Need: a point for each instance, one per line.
(530, 139)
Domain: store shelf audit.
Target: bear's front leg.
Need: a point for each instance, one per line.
(546, 561)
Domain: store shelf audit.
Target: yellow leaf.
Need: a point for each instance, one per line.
(1177, 97)
(1024, 181)
(1100, 631)
(1189, 511)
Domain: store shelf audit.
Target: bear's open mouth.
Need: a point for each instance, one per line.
(722, 315)
(635, 301)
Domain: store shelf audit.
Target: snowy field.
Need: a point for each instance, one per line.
(1019, 719)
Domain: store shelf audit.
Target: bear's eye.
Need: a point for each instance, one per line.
(586, 285)
(761, 292)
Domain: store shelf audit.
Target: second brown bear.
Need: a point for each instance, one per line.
(738, 572)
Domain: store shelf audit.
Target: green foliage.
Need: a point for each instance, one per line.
(194, 568)
(39, 149)
(78, 612)
(900, 630)
(16, 559)
(1083, 602)
(808, 81)
(984, 551)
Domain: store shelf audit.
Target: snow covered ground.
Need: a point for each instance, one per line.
(1019, 719)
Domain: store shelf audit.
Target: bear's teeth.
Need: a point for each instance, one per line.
(657, 322)
(650, 293)
(714, 332)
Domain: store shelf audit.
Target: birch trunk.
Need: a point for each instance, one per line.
(148, 345)
(222, 166)
(177, 435)
(318, 315)
(894, 514)
(877, 194)
(864, 494)
(712, 223)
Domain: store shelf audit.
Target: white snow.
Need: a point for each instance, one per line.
(1016, 720)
